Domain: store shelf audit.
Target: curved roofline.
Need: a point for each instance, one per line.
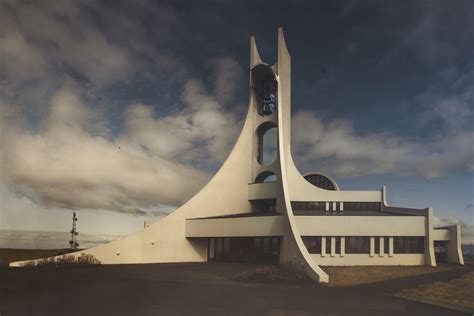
(324, 175)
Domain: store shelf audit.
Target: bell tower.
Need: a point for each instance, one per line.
(270, 105)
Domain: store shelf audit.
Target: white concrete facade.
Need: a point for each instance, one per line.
(315, 224)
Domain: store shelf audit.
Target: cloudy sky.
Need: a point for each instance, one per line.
(122, 112)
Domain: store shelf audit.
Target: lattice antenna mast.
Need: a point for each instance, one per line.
(73, 242)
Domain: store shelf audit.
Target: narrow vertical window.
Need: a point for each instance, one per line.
(338, 245)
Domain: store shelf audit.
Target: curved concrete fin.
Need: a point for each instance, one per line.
(254, 55)
(295, 252)
(284, 57)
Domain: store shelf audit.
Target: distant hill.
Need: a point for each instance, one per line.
(468, 252)
(21, 239)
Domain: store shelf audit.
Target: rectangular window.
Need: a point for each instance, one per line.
(377, 245)
(362, 206)
(357, 245)
(219, 247)
(363, 244)
(399, 245)
(351, 244)
(409, 244)
(226, 245)
(211, 248)
(275, 244)
(312, 243)
(328, 245)
(258, 243)
(386, 241)
(338, 245)
(266, 245)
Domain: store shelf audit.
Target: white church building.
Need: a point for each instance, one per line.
(253, 211)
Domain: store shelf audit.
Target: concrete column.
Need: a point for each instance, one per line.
(323, 247)
(381, 245)
(342, 206)
(390, 246)
(327, 206)
(343, 246)
(429, 242)
(334, 206)
(333, 246)
(454, 250)
(372, 246)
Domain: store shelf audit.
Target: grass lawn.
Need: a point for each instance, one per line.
(339, 276)
(349, 276)
(9, 255)
(459, 292)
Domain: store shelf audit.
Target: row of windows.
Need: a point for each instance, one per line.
(357, 245)
(264, 205)
(409, 245)
(309, 206)
(362, 206)
(337, 206)
(244, 249)
(361, 244)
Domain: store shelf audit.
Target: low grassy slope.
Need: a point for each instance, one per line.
(9, 255)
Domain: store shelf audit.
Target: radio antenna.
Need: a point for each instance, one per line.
(73, 242)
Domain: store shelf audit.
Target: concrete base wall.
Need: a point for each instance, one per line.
(366, 260)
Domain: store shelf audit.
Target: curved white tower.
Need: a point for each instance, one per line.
(240, 216)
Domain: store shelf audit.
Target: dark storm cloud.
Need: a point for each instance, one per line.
(131, 105)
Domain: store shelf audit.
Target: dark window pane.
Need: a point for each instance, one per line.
(351, 245)
(258, 243)
(357, 245)
(211, 248)
(219, 245)
(275, 243)
(409, 245)
(398, 245)
(338, 245)
(312, 243)
(266, 244)
(227, 245)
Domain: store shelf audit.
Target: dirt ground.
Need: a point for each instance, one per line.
(200, 289)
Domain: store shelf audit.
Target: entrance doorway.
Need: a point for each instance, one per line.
(440, 248)
(244, 249)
